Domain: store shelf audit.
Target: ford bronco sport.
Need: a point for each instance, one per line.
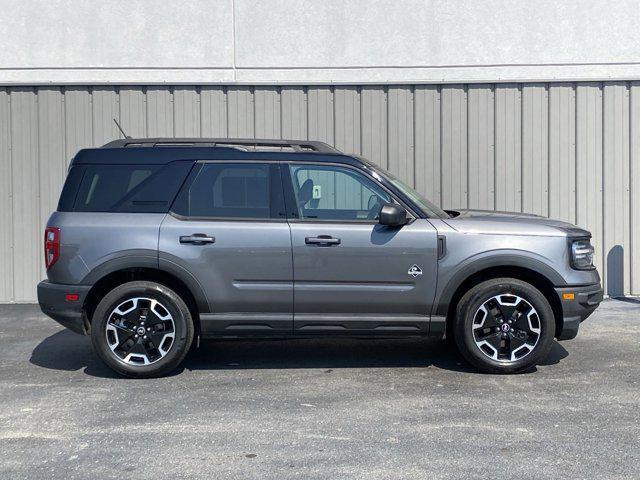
(159, 242)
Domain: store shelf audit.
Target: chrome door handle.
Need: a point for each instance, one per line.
(323, 240)
(197, 239)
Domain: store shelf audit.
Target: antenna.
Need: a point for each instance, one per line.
(120, 128)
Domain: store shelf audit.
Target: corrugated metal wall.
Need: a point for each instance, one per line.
(566, 150)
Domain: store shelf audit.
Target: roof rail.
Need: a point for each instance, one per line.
(296, 145)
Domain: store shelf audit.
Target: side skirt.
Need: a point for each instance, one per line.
(265, 325)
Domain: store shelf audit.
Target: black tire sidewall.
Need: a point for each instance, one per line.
(170, 300)
(482, 292)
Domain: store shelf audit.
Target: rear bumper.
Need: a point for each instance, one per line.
(53, 303)
(586, 300)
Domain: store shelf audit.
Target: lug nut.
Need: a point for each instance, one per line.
(145, 337)
(148, 329)
(136, 336)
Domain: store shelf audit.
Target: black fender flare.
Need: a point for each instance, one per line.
(148, 259)
(472, 266)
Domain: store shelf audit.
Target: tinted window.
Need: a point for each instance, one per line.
(154, 193)
(228, 190)
(130, 188)
(70, 189)
(328, 192)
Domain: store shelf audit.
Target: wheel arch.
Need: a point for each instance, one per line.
(447, 305)
(179, 281)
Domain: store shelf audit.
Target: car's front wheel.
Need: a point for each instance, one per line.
(504, 325)
(142, 329)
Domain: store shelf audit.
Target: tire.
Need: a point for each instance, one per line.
(118, 329)
(504, 325)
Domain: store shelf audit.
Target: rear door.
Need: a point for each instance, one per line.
(353, 275)
(228, 229)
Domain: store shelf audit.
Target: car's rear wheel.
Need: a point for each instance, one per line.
(142, 329)
(504, 325)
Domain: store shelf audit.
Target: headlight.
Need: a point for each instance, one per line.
(582, 254)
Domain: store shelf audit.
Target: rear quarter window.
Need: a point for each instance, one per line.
(124, 188)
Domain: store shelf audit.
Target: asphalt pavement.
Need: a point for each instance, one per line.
(320, 409)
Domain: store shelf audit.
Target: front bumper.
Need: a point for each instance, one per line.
(585, 300)
(53, 303)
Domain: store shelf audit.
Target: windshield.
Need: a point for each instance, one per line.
(425, 205)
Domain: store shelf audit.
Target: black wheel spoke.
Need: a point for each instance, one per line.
(484, 333)
(491, 320)
(127, 344)
(156, 338)
(522, 323)
(514, 341)
(495, 340)
(123, 328)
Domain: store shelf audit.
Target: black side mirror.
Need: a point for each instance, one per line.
(392, 215)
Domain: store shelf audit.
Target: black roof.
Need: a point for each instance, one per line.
(265, 143)
(158, 151)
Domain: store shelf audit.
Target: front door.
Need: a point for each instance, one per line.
(351, 274)
(228, 229)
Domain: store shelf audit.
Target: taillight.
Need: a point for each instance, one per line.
(51, 246)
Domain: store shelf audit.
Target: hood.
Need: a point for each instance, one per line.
(510, 223)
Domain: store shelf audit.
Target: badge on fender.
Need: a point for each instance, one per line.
(414, 271)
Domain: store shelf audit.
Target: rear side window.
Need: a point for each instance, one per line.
(70, 189)
(128, 188)
(232, 190)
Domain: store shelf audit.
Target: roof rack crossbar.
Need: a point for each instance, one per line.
(297, 145)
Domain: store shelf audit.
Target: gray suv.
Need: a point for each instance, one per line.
(159, 242)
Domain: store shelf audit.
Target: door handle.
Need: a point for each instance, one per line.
(322, 240)
(197, 239)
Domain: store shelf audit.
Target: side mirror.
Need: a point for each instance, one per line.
(392, 215)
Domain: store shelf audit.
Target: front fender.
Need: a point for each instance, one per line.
(452, 276)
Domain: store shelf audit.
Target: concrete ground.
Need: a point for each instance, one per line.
(332, 409)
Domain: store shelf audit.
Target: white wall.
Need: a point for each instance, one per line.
(316, 41)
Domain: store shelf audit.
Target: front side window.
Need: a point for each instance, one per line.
(331, 192)
(228, 190)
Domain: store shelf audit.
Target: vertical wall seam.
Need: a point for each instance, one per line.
(11, 193)
(308, 110)
(441, 123)
(281, 113)
(412, 97)
(252, 99)
(198, 100)
(521, 92)
(548, 100)
(92, 123)
(332, 101)
(225, 98)
(575, 152)
(629, 288)
(603, 237)
(387, 133)
(361, 120)
(465, 96)
(119, 102)
(172, 100)
(495, 146)
(38, 159)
